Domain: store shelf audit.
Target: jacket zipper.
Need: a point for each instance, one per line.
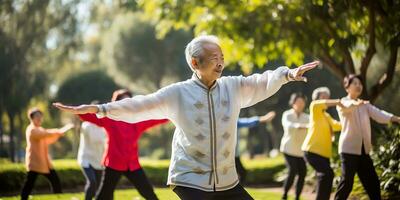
(212, 139)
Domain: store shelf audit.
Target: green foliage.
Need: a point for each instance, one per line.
(339, 33)
(386, 160)
(263, 171)
(12, 175)
(86, 87)
(25, 27)
(138, 54)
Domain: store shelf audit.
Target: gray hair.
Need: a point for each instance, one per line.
(318, 91)
(195, 47)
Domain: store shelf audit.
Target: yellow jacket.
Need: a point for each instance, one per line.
(321, 128)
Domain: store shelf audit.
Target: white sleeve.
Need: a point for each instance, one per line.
(258, 87)
(141, 107)
(378, 115)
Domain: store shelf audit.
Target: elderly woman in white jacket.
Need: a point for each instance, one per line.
(204, 109)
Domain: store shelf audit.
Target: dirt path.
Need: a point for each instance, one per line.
(307, 193)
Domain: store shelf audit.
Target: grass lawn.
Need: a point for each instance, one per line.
(130, 194)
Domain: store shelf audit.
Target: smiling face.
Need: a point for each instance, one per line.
(210, 64)
(354, 88)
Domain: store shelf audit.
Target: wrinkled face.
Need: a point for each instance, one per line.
(211, 63)
(37, 119)
(355, 88)
(324, 95)
(299, 104)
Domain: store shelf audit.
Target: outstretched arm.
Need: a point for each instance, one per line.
(131, 110)
(395, 119)
(268, 117)
(248, 122)
(253, 121)
(381, 116)
(78, 110)
(258, 87)
(50, 135)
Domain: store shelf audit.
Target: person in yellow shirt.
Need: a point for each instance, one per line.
(37, 160)
(317, 145)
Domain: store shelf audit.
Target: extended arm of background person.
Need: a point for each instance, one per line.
(267, 117)
(143, 126)
(350, 107)
(381, 116)
(254, 121)
(61, 132)
(248, 122)
(39, 133)
(92, 118)
(336, 125)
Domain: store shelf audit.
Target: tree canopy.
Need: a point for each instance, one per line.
(342, 34)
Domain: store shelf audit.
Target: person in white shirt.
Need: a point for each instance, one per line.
(90, 153)
(355, 140)
(295, 124)
(205, 110)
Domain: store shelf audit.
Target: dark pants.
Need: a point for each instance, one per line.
(241, 171)
(236, 193)
(93, 178)
(296, 166)
(138, 178)
(30, 182)
(363, 166)
(324, 174)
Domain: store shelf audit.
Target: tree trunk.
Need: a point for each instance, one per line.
(11, 142)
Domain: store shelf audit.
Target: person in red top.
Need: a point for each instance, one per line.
(121, 152)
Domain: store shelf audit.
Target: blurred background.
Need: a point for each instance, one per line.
(76, 51)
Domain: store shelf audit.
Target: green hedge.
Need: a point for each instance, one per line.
(12, 175)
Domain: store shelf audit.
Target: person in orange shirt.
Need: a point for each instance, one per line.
(37, 160)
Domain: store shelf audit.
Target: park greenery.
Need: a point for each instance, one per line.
(76, 51)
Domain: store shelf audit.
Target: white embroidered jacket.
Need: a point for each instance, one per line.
(203, 146)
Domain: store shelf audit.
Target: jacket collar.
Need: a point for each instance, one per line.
(198, 82)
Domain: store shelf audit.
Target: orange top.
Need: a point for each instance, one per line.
(37, 153)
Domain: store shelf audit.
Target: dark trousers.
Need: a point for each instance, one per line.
(324, 174)
(241, 171)
(138, 178)
(297, 167)
(30, 182)
(93, 178)
(236, 193)
(363, 166)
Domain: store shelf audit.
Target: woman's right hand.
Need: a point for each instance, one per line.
(82, 109)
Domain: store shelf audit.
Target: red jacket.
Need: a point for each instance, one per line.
(121, 152)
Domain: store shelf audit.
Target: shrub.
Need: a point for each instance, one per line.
(387, 162)
(12, 175)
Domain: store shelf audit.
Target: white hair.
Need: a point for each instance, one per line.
(318, 91)
(194, 48)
